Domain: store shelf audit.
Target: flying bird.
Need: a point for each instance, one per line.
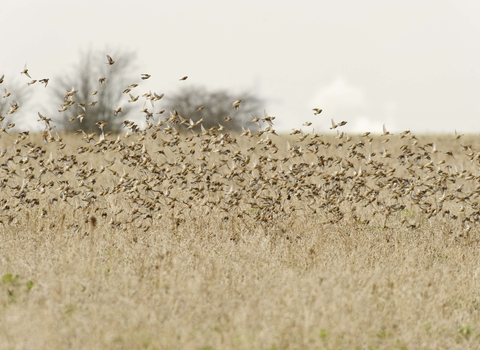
(145, 76)
(236, 104)
(25, 71)
(255, 119)
(457, 136)
(184, 78)
(334, 126)
(1, 78)
(385, 131)
(117, 110)
(44, 81)
(317, 111)
(110, 60)
(133, 98)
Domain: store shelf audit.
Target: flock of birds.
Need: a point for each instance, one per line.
(175, 169)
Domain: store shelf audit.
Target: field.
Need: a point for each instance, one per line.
(180, 237)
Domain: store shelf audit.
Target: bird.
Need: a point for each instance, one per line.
(101, 124)
(200, 108)
(1, 78)
(44, 81)
(102, 80)
(117, 110)
(133, 98)
(63, 109)
(184, 78)
(317, 111)
(334, 126)
(145, 76)
(43, 118)
(385, 131)
(110, 60)
(255, 119)
(236, 104)
(25, 71)
(457, 136)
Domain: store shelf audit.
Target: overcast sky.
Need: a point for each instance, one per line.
(408, 64)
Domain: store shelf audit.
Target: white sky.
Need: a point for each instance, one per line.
(410, 64)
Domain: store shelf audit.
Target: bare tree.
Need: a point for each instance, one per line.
(216, 107)
(95, 92)
(13, 99)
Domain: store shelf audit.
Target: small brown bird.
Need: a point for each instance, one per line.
(101, 124)
(102, 80)
(236, 104)
(317, 111)
(145, 76)
(334, 126)
(1, 78)
(255, 119)
(117, 110)
(25, 71)
(200, 108)
(385, 131)
(184, 78)
(133, 98)
(44, 81)
(110, 60)
(43, 118)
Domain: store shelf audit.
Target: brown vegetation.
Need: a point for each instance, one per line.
(175, 236)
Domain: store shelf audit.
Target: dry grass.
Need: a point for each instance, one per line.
(196, 271)
(177, 237)
(208, 286)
